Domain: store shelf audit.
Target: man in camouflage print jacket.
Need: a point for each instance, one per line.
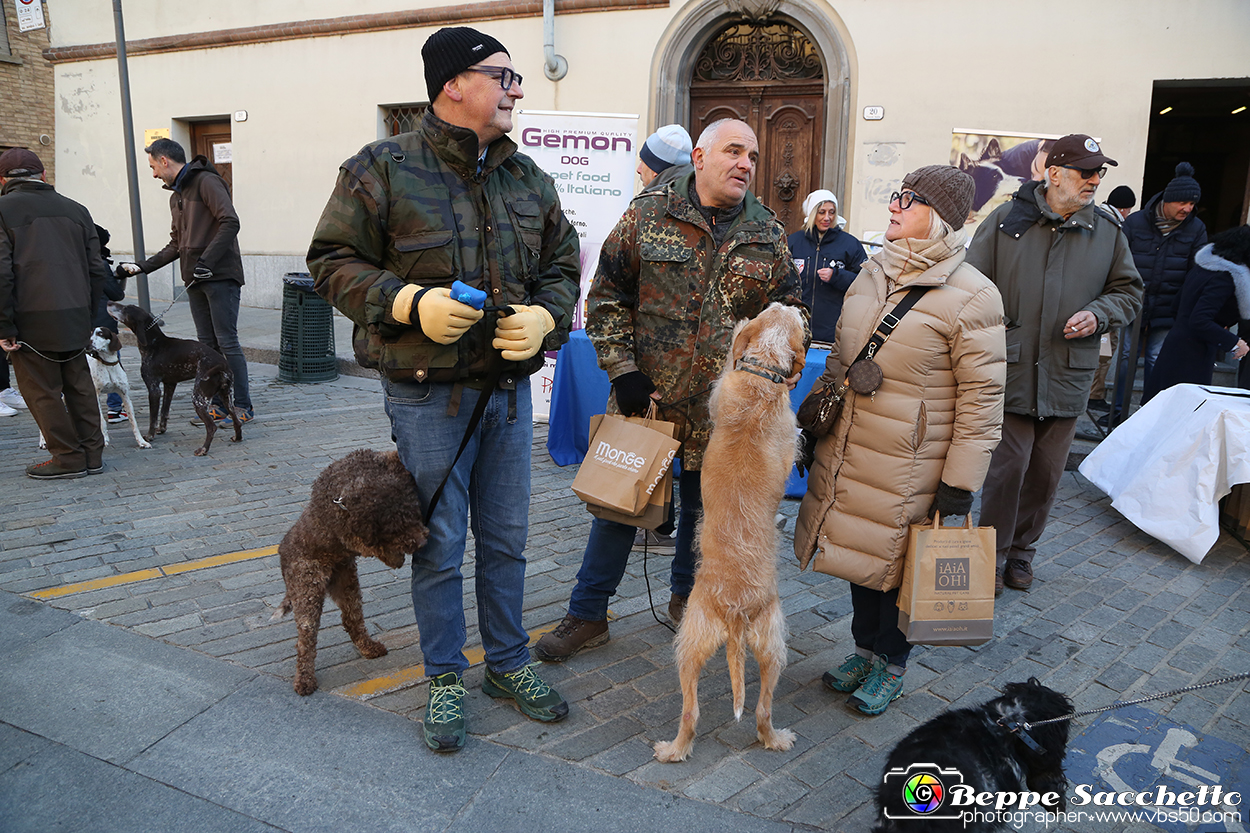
(408, 217)
(682, 266)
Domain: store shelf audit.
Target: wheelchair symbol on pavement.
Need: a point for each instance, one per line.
(1164, 761)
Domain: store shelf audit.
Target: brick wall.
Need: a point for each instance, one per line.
(26, 91)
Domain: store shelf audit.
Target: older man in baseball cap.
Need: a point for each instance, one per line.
(1066, 276)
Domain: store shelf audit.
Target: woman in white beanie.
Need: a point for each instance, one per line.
(828, 259)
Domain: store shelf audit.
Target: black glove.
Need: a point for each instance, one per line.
(806, 452)
(201, 272)
(633, 392)
(951, 501)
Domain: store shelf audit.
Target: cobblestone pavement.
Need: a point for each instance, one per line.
(1114, 614)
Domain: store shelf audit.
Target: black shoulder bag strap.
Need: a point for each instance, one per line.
(890, 321)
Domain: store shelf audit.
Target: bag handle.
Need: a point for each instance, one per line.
(937, 521)
(889, 322)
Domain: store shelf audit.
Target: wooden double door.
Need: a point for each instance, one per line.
(769, 76)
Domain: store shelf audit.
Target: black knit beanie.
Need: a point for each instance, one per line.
(450, 51)
(1121, 196)
(1184, 188)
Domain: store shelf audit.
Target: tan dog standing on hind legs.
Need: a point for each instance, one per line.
(749, 457)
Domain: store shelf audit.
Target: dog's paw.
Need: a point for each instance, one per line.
(670, 753)
(371, 649)
(779, 740)
(305, 686)
(201, 451)
(144, 443)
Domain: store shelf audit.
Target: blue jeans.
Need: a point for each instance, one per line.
(1151, 343)
(607, 554)
(215, 311)
(495, 495)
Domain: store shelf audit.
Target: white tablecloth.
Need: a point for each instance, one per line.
(1167, 466)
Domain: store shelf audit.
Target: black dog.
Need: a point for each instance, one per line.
(988, 756)
(167, 361)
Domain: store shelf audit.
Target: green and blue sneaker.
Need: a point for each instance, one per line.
(533, 697)
(444, 713)
(849, 675)
(878, 691)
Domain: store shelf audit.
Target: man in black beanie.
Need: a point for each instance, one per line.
(1163, 236)
(410, 215)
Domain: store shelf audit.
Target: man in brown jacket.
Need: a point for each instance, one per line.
(1066, 277)
(51, 279)
(204, 239)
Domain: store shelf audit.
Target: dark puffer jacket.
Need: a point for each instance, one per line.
(204, 230)
(818, 251)
(1163, 262)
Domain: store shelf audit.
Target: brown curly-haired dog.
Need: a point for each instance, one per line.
(365, 504)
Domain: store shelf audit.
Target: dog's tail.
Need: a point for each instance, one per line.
(283, 609)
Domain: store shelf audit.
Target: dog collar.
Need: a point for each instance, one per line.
(765, 371)
(95, 355)
(1020, 730)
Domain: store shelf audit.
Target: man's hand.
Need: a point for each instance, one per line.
(440, 317)
(825, 274)
(1240, 351)
(1081, 325)
(129, 268)
(520, 335)
(201, 272)
(9, 345)
(633, 392)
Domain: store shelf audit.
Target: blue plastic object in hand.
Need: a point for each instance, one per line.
(467, 295)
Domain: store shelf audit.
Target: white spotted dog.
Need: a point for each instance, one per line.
(109, 377)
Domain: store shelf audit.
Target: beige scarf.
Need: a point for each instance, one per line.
(900, 259)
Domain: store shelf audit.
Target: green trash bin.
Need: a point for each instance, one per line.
(307, 346)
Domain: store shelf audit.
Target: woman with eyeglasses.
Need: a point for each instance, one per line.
(920, 419)
(827, 258)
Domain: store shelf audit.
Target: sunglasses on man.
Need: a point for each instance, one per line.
(1088, 173)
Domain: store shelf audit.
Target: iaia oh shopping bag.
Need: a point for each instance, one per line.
(627, 463)
(947, 594)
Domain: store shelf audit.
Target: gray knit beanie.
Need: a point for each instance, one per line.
(949, 191)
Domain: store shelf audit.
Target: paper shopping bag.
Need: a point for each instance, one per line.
(947, 594)
(659, 507)
(626, 463)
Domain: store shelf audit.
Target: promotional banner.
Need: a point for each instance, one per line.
(999, 163)
(592, 158)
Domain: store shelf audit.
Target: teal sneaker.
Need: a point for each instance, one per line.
(533, 697)
(849, 675)
(444, 713)
(878, 691)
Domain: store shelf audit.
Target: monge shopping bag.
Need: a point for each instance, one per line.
(660, 505)
(626, 463)
(947, 594)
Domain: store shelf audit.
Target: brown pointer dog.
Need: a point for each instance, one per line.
(364, 504)
(748, 459)
(167, 361)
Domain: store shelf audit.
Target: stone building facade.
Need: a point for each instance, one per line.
(27, 91)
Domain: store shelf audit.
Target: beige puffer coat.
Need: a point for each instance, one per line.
(936, 417)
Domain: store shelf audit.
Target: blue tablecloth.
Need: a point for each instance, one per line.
(581, 389)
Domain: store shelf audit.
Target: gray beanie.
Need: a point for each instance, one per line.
(949, 191)
(1184, 188)
(668, 146)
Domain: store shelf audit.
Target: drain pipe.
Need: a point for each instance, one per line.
(555, 67)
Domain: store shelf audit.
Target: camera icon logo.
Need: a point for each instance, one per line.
(922, 789)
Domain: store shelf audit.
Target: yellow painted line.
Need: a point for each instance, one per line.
(218, 560)
(414, 674)
(155, 572)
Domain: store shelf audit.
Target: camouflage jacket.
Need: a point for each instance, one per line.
(415, 209)
(665, 299)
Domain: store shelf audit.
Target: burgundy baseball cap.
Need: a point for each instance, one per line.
(19, 162)
(1079, 151)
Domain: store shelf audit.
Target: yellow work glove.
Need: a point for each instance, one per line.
(520, 335)
(442, 319)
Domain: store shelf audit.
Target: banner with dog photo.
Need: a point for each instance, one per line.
(999, 162)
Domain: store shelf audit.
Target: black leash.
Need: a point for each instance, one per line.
(488, 390)
(647, 578)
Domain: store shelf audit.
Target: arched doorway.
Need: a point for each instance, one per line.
(769, 75)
